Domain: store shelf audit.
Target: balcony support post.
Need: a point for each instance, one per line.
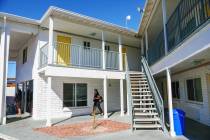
(142, 50)
(164, 26)
(4, 58)
(50, 47)
(146, 44)
(103, 51)
(49, 94)
(170, 105)
(121, 98)
(120, 54)
(105, 97)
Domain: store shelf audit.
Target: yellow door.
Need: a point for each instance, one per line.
(124, 50)
(63, 50)
(208, 8)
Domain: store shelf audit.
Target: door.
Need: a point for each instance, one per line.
(124, 50)
(63, 50)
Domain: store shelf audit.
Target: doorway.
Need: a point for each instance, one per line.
(25, 90)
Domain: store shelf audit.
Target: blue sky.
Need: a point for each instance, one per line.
(113, 11)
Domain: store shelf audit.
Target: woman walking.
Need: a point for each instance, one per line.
(97, 99)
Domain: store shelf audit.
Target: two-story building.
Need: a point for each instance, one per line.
(64, 56)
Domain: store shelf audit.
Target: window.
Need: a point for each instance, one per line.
(86, 45)
(175, 90)
(194, 90)
(74, 95)
(25, 55)
(107, 47)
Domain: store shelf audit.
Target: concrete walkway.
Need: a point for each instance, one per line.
(23, 130)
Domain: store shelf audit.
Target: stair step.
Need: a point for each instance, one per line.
(139, 85)
(145, 114)
(145, 91)
(146, 126)
(140, 104)
(147, 109)
(150, 99)
(140, 96)
(146, 119)
(135, 73)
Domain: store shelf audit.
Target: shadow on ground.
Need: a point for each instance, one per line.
(14, 119)
(196, 131)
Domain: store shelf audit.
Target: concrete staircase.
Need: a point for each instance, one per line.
(144, 112)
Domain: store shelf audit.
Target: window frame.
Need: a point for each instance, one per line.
(107, 47)
(75, 96)
(86, 44)
(195, 100)
(177, 95)
(25, 55)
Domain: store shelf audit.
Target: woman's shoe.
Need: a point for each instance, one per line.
(102, 114)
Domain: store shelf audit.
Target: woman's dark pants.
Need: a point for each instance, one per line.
(97, 105)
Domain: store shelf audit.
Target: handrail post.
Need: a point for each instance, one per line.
(155, 92)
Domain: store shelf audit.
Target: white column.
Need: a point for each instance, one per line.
(4, 57)
(170, 106)
(105, 98)
(128, 104)
(103, 52)
(49, 94)
(142, 50)
(120, 54)
(121, 98)
(146, 42)
(164, 25)
(142, 47)
(50, 48)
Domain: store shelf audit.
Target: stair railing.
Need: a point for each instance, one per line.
(128, 83)
(155, 92)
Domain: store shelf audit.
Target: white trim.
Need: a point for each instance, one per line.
(49, 92)
(105, 97)
(51, 38)
(164, 26)
(121, 98)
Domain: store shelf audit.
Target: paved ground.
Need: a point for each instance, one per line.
(197, 131)
(23, 130)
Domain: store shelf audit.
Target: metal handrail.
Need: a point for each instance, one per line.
(155, 92)
(129, 90)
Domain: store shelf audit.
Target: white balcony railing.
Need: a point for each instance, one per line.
(79, 56)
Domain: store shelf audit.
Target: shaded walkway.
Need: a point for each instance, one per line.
(197, 131)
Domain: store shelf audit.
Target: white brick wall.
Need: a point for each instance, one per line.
(57, 110)
(197, 111)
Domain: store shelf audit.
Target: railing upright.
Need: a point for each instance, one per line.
(130, 109)
(155, 92)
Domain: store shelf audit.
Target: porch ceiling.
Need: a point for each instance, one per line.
(17, 40)
(66, 26)
(198, 60)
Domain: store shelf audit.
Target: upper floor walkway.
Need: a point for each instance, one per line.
(175, 31)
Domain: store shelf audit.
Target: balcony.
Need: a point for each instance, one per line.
(66, 55)
(188, 16)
